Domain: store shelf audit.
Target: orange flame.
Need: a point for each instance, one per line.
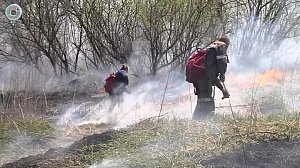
(270, 77)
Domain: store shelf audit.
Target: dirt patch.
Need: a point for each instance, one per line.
(65, 157)
(259, 155)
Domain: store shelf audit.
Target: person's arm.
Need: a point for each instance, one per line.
(222, 61)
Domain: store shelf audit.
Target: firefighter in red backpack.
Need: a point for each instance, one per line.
(215, 68)
(119, 87)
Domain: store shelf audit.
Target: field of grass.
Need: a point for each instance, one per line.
(179, 143)
(168, 143)
(183, 143)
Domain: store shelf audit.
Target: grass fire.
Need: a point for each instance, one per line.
(149, 83)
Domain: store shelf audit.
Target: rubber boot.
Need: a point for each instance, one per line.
(205, 107)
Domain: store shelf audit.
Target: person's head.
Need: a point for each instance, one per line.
(124, 67)
(225, 39)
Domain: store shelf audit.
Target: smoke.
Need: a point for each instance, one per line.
(260, 44)
(108, 163)
(149, 100)
(282, 57)
(262, 66)
(146, 100)
(21, 147)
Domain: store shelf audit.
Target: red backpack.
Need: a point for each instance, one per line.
(109, 83)
(195, 66)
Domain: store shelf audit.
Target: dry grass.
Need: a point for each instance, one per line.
(176, 143)
(185, 143)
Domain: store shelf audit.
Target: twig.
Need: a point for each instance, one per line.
(46, 102)
(157, 116)
(12, 121)
(36, 104)
(239, 105)
(162, 101)
(258, 132)
(232, 113)
(154, 117)
(72, 126)
(21, 109)
(266, 132)
(92, 110)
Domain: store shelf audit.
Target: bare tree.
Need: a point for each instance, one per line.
(263, 25)
(44, 31)
(171, 30)
(109, 27)
(72, 35)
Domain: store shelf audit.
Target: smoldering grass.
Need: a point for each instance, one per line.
(167, 143)
(174, 147)
(185, 143)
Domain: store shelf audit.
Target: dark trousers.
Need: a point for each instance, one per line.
(205, 101)
(114, 100)
(203, 87)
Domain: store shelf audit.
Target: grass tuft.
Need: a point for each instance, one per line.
(13, 128)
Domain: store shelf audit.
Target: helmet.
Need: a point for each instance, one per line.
(225, 39)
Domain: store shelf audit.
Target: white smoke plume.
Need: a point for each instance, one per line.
(145, 101)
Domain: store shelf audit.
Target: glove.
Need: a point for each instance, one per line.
(222, 77)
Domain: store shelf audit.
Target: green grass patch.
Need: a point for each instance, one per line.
(265, 128)
(6, 132)
(36, 128)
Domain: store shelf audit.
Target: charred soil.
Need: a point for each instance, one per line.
(279, 154)
(73, 156)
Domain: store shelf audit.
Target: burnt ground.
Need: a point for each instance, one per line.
(73, 156)
(279, 154)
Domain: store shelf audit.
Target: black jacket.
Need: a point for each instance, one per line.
(121, 82)
(216, 59)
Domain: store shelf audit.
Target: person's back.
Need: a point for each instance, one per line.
(121, 81)
(216, 63)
